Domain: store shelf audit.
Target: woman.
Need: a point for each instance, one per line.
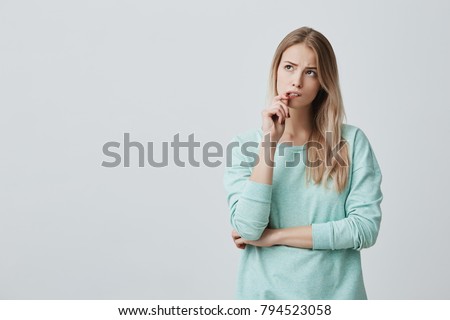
(302, 223)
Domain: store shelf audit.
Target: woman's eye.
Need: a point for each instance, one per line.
(311, 72)
(288, 66)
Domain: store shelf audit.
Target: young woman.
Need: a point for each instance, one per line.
(304, 189)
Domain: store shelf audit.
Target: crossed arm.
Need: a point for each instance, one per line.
(300, 237)
(250, 204)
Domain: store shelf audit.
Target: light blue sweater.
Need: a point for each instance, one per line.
(342, 224)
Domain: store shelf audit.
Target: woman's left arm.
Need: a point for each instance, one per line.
(300, 237)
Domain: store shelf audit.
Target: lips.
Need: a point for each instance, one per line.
(293, 94)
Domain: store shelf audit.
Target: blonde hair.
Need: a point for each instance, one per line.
(327, 107)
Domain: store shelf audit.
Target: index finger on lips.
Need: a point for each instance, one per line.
(285, 108)
(285, 99)
(282, 96)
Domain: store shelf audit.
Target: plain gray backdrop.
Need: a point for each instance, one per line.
(77, 74)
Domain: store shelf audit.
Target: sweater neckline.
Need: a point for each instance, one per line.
(284, 145)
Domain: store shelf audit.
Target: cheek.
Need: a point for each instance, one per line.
(314, 86)
(282, 77)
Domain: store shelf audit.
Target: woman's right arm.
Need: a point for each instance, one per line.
(273, 124)
(250, 191)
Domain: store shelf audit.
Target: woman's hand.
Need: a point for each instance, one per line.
(268, 239)
(274, 117)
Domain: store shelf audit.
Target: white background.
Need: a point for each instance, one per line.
(77, 74)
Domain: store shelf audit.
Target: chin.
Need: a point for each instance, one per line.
(300, 106)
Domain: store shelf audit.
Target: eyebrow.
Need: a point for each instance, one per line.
(297, 65)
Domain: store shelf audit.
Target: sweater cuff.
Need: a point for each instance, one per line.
(258, 191)
(322, 234)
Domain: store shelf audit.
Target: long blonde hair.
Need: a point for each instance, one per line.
(327, 107)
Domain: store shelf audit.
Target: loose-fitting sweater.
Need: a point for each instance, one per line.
(342, 223)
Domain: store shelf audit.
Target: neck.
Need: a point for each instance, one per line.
(299, 125)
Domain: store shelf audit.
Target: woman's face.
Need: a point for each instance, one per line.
(297, 72)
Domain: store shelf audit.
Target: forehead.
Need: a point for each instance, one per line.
(299, 54)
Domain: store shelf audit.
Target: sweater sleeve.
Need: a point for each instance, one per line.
(248, 201)
(359, 229)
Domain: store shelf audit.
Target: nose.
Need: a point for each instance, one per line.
(297, 81)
